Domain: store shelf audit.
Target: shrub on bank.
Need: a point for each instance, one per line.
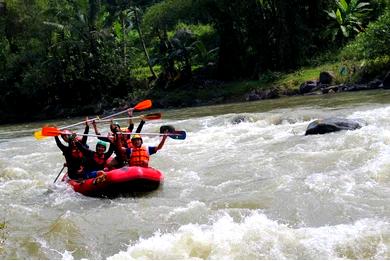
(373, 43)
(369, 53)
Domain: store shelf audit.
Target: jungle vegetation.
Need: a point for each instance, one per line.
(81, 56)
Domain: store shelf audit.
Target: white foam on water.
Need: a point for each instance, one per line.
(258, 189)
(257, 237)
(190, 209)
(12, 173)
(22, 208)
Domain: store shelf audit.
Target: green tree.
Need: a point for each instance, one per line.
(348, 18)
(373, 43)
(129, 13)
(137, 22)
(256, 36)
(23, 48)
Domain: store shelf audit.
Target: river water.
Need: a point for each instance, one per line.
(259, 189)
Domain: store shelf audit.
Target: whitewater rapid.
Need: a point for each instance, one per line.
(257, 189)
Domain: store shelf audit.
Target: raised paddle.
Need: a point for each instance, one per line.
(151, 116)
(59, 173)
(167, 128)
(143, 105)
(38, 135)
(176, 135)
(53, 131)
(146, 104)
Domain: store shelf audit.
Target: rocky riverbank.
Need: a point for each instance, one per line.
(323, 85)
(201, 91)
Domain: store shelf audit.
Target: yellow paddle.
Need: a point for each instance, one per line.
(38, 135)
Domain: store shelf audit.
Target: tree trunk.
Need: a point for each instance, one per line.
(92, 17)
(2, 7)
(124, 40)
(141, 37)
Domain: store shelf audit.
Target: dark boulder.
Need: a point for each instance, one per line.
(253, 96)
(386, 81)
(355, 87)
(374, 84)
(308, 86)
(256, 95)
(331, 125)
(331, 89)
(326, 78)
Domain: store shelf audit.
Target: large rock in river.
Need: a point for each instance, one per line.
(331, 125)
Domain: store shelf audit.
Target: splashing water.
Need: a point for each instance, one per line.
(245, 184)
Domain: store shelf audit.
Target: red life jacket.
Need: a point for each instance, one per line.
(139, 157)
(76, 153)
(100, 161)
(124, 141)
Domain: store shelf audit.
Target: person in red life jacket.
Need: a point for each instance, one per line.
(138, 130)
(116, 128)
(139, 155)
(95, 161)
(120, 158)
(73, 156)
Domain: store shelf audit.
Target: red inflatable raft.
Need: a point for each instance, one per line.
(126, 180)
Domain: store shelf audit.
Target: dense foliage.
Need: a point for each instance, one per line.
(82, 55)
(373, 43)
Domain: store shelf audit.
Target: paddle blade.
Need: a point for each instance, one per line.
(178, 135)
(152, 116)
(50, 131)
(143, 105)
(38, 135)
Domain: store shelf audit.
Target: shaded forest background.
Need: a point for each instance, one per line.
(73, 57)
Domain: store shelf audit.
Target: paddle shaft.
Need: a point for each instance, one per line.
(91, 120)
(126, 133)
(119, 119)
(130, 133)
(147, 133)
(181, 135)
(134, 108)
(115, 114)
(107, 117)
(89, 135)
(146, 117)
(53, 131)
(59, 174)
